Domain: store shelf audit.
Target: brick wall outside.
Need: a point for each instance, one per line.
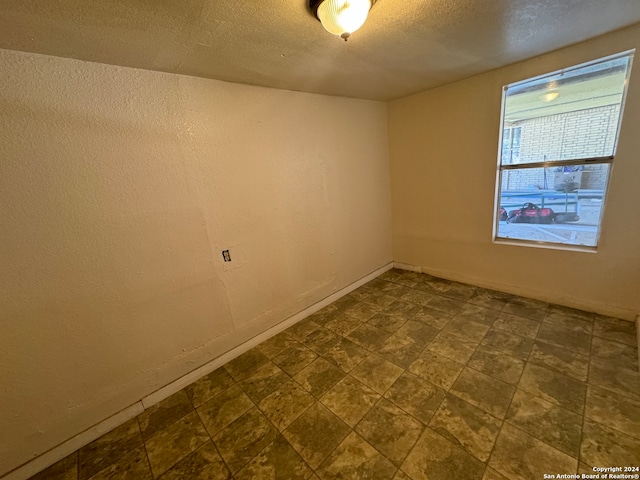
(584, 133)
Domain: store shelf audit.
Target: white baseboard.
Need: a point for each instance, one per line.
(607, 310)
(74, 443)
(209, 367)
(406, 266)
(614, 312)
(68, 447)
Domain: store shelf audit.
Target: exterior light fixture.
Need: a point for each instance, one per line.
(549, 97)
(341, 17)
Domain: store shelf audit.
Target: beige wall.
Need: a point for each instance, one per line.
(443, 146)
(118, 190)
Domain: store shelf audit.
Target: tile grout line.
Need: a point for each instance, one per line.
(236, 383)
(144, 445)
(559, 406)
(466, 365)
(155, 434)
(535, 396)
(32, 467)
(399, 408)
(486, 463)
(448, 391)
(527, 361)
(583, 415)
(281, 433)
(504, 420)
(382, 396)
(351, 429)
(316, 400)
(584, 409)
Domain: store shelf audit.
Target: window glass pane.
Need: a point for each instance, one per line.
(506, 139)
(515, 137)
(567, 115)
(574, 195)
(511, 145)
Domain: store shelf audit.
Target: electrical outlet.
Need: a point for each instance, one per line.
(226, 256)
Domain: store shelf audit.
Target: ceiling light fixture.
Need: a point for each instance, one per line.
(341, 17)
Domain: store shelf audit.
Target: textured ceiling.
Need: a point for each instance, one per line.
(403, 48)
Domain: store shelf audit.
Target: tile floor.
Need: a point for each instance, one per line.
(408, 377)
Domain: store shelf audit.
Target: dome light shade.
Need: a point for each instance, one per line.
(341, 17)
(549, 97)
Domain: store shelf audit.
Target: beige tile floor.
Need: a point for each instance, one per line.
(408, 377)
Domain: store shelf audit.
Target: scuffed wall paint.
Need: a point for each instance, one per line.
(118, 190)
(443, 146)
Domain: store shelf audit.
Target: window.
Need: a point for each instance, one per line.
(511, 144)
(559, 134)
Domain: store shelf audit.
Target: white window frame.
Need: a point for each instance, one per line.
(552, 163)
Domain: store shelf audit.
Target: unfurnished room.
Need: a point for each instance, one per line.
(319, 239)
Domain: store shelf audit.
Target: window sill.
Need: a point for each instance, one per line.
(547, 245)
